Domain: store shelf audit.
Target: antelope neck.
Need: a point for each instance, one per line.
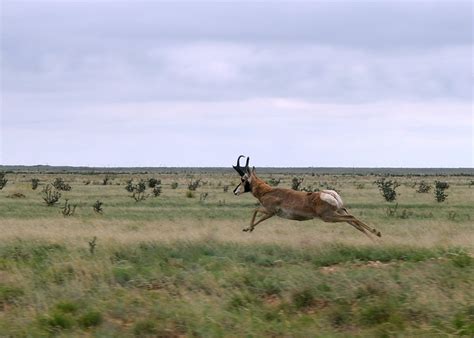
(259, 187)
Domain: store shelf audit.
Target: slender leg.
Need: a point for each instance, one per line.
(352, 221)
(266, 215)
(359, 222)
(255, 212)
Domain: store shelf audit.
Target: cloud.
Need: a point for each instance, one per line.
(354, 83)
(382, 24)
(275, 131)
(220, 71)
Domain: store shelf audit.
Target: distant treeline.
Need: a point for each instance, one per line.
(262, 170)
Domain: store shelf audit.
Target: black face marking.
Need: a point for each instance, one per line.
(246, 184)
(247, 187)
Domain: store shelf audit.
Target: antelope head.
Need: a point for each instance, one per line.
(245, 177)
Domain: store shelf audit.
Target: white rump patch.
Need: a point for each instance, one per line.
(331, 197)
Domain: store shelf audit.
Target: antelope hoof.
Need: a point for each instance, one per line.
(246, 229)
(377, 233)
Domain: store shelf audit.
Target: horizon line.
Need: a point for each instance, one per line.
(225, 167)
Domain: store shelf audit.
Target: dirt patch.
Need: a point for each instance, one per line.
(272, 300)
(370, 264)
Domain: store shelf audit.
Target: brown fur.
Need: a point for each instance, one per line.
(296, 205)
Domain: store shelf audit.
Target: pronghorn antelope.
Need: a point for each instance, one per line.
(295, 205)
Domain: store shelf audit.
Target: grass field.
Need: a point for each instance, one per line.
(175, 265)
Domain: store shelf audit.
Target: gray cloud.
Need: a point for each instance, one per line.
(112, 73)
(383, 24)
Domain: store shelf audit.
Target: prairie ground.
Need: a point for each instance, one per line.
(179, 264)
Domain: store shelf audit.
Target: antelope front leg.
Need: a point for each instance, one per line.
(253, 223)
(250, 228)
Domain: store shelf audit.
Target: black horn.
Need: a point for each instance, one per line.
(238, 168)
(247, 165)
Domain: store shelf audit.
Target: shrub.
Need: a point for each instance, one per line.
(440, 187)
(59, 184)
(423, 187)
(97, 206)
(174, 185)
(34, 183)
(391, 211)
(274, 182)
(309, 188)
(129, 186)
(387, 188)
(194, 184)
(92, 245)
(189, 194)
(50, 195)
(66, 210)
(296, 183)
(156, 190)
(137, 190)
(452, 215)
(153, 182)
(225, 188)
(140, 186)
(3, 181)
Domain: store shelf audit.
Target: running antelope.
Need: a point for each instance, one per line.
(295, 205)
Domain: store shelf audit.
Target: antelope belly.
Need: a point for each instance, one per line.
(291, 214)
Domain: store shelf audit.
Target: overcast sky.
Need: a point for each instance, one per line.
(336, 83)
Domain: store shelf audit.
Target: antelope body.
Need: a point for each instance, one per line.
(295, 205)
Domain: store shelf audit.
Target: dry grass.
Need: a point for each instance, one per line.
(427, 233)
(174, 266)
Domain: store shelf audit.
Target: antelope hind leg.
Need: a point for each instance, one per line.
(341, 218)
(349, 219)
(360, 223)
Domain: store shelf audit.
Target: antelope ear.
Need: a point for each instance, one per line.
(253, 170)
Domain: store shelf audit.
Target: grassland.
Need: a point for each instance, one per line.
(177, 266)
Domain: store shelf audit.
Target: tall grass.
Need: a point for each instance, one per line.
(172, 266)
(212, 288)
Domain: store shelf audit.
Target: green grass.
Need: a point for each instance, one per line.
(174, 266)
(211, 288)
